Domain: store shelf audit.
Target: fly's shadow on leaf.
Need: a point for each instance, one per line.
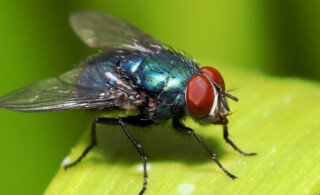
(160, 143)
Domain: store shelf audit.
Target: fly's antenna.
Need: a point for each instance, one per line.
(224, 103)
(229, 96)
(221, 91)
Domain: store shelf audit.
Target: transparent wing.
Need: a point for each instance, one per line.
(82, 88)
(100, 30)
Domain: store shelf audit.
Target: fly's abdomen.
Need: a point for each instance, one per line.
(104, 77)
(164, 77)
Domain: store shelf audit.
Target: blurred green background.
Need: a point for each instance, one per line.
(277, 38)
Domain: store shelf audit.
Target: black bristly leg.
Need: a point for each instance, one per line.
(140, 150)
(135, 120)
(181, 128)
(226, 137)
(93, 143)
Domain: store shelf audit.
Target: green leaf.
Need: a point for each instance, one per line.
(276, 117)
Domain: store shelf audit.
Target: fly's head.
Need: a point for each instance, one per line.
(206, 97)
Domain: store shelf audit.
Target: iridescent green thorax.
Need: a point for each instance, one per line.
(164, 77)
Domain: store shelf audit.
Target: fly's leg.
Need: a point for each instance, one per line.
(226, 137)
(120, 121)
(142, 154)
(93, 143)
(181, 128)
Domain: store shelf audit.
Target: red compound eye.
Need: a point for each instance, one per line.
(200, 96)
(214, 75)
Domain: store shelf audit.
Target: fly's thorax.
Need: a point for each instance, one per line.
(163, 77)
(160, 111)
(205, 97)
